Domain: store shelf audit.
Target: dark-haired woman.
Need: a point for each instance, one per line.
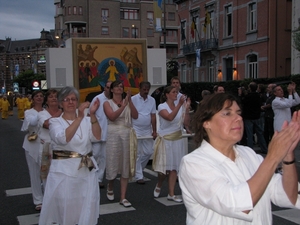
(169, 147)
(120, 158)
(52, 110)
(226, 183)
(32, 147)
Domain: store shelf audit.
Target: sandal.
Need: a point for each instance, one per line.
(125, 203)
(38, 207)
(156, 192)
(110, 194)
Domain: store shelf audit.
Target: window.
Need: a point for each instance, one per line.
(125, 32)
(252, 17)
(150, 32)
(80, 10)
(132, 1)
(150, 18)
(74, 10)
(252, 66)
(134, 32)
(183, 73)
(211, 71)
(129, 14)
(69, 10)
(195, 73)
(210, 26)
(104, 30)
(228, 21)
(183, 33)
(104, 14)
(169, 1)
(171, 16)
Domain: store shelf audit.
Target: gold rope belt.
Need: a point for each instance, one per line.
(85, 159)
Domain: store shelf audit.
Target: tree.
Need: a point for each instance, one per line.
(172, 69)
(25, 79)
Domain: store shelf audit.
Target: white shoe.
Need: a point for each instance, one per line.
(156, 192)
(174, 198)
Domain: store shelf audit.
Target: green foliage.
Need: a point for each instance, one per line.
(172, 69)
(26, 78)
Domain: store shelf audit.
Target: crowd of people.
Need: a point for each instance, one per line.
(70, 146)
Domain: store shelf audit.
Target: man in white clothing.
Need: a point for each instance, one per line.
(175, 82)
(145, 125)
(282, 106)
(99, 148)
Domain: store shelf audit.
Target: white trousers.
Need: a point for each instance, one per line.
(144, 153)
(35, 179)
(99, 153)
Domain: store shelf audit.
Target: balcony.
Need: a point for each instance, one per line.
(205, 45)
(77, 35)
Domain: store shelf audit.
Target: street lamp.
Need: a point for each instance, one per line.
(134, 28)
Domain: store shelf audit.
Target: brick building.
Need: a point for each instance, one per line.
(116, 19)
(19, 56)
(237, 39)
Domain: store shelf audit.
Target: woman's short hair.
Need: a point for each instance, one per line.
(36, 92)
(114, 84)
(64, 92)
(206, 109)
(48, 93)
(166, 91)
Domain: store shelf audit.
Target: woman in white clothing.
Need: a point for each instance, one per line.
(30, 124)
(225, 183)
(72, 191)
(120, 158)
(169, 147)
(52, 110)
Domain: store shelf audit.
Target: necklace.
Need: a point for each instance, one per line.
(80, 136)
(118, 104)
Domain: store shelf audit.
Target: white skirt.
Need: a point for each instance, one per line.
(71, 200)
(175, 150)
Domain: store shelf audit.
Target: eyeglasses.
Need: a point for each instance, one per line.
(120, 86)
(70, 99)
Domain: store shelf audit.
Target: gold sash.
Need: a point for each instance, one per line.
(159, 157)
(85, 159)
(133, 152)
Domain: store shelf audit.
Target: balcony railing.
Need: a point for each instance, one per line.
(207, 44)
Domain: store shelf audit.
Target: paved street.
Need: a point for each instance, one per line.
(16, 205)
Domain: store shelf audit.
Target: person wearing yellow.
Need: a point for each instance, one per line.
(28, 102)
(112, 70)
(5, 105)
(21, 102)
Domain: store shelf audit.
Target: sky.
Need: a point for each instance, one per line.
(25, 19)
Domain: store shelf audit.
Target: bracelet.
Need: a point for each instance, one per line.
(289, 163)
(93, 122)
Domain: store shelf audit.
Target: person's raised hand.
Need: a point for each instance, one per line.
(95, 106)
(82, 108)
(285, 141)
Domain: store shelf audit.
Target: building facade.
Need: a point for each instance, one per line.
(234, 39)
(117, 19)
(22, 55)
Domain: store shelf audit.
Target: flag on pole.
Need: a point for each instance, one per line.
(181, 29)
(206, 21)
(198, 62)
(157, 8)
(193, 28)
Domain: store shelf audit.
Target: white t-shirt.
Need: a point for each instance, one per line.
(142, 125)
